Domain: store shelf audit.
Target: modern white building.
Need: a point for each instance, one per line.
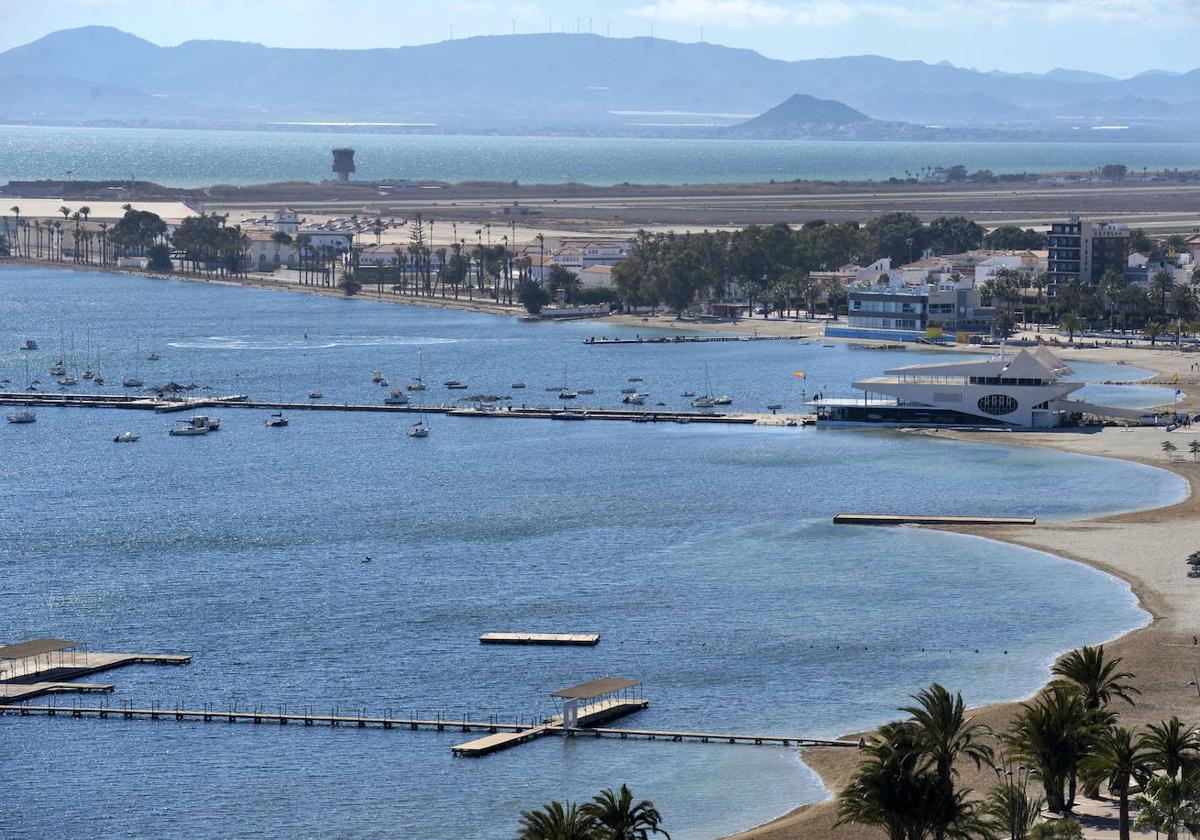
(1029, 390)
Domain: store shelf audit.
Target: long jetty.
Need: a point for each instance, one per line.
(920, 519)
(691, 339)
(161, 406)
(364, 721)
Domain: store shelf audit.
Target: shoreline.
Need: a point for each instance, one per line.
(1144, 548)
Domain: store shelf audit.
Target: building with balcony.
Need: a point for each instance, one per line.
(1085, 249)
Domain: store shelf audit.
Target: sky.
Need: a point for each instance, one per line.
(1116, 37)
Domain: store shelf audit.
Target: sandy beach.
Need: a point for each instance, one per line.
(1145, 548)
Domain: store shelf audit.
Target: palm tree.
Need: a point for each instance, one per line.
(1097, 679)
(1009, 810)
(620, 819)
(557, 822)
(1168, 805)
(1172, 745)
(1152, 331)
(1160, 286)
(1117, 760)
(1050, 734)
(1070, 322)
(943, 733)
(892, 789)
(1194, 448)
(1168, 447)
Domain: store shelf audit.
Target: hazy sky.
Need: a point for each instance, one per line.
(1119, 37)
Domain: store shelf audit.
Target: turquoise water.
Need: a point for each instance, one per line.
(189, 158)
(703, 555)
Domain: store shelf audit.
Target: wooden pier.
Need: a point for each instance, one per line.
(49, 666)
(692, 339)
(202, 404)
(585, 639)
(909, 519)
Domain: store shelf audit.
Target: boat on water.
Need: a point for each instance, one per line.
(276, 420)
(703, 402)
(209, 424)
(774, 406)
(97, 379)
(586, 391)
(688, 394)
(316, 394)
(567, 415)
(153, 357)
(567, 395)
(416, 385)
(186, 429)
(635, 379)
(131, 382)
(67, 381)
(126, 437)
(29, 344)
(554, 388)
(89, 374)
(634, 398)
(629, 390)
(25, 416)
(396, 397)
(376, 376)
(418, 429)
(383, 383)
(724, 399)
(418, 381)
(518, 385)
(455, 385)
(58, 369)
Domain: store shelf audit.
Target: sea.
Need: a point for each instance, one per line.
(195, 157)
(703, 555)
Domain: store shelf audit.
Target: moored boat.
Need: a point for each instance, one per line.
(396, 397)
(276, 420)
(24, 416)
(126, 437)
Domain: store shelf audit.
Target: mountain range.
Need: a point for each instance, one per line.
(561, 83)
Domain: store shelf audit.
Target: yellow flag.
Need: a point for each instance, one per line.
(799, 374)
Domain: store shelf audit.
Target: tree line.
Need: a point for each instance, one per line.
(1068, 740)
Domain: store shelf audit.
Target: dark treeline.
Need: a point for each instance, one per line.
(771, 264)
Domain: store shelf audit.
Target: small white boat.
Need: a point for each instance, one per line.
(416, 385)
(58, 369)
(376, 375)
(396, 397)
(383, 383)
(29, 344)
(518, 385)
(455, 385)
(209, 424)
(418, 430)
(26, 416)
(703, 402)
(188, 430)
(567, 415)
(126, 437)
(67, 381)
(567, 395)
(635, 379)
(131, 382)
(724, 399)
(316, 395)
(276, 420)
(634, 399)
(688, 394)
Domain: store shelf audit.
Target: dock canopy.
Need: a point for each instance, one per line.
(36, 647)
(595, 688)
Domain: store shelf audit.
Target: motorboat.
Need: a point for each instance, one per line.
(29, 344)
(635, 379)
(774, 406)
(554, 388)
(703, 402)
(276, 420)
(58, 369)
(67, 381)
(518, 385)
(131, 382)
(634, 399)
(186, 429)
(586, 391)
(418, 430)
(567, 395)
(567, 415)
(688, 394)
(98, 379)
(25, 416)
(724, 399)
(209, 424)
(416, 385)
(126, 437)
(383, 383)
(396, 397)
(376, 375)
(455, 385)
(316, 395)
(629, 390)
(88, 374)
(153, 357)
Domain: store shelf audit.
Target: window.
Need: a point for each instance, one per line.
(997, 405)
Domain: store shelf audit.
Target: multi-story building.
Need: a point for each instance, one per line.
(901, 312)
(1085, 249)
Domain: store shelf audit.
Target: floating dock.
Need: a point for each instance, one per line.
(48, 666)
(586, 639)
(908, 519)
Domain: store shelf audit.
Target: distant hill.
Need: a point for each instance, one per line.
(581, 84)
(801, 116)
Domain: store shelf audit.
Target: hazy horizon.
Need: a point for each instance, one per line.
(1013, 36)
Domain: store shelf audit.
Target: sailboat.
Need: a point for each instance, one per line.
(24, 416)
(707, 400)
(396, 397)
(418, 384)
(276, 420)
(420, 429)
(317, 393)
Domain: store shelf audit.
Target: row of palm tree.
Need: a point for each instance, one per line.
(608, 816)
(1066, 739)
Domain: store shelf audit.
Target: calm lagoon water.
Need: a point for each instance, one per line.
(190, 158)
(704, 555)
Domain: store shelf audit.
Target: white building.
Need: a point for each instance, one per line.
(1026, 390)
